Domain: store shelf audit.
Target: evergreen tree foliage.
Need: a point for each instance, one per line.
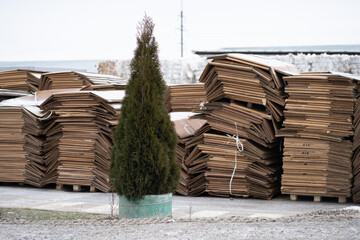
(143, 156)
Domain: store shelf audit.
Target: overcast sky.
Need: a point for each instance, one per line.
(106, 29)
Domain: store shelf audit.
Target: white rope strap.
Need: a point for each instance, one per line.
(46, 118)
(186, 126)
(36, 99)
(240, 148)
(202, 105)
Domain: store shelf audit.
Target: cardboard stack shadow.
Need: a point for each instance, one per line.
(318, 135)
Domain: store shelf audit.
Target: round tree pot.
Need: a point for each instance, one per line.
(151, 206)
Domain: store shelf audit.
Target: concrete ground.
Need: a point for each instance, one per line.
(183, 207)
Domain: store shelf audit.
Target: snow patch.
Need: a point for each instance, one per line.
(208, 213)
(355, 208)
(265, 215)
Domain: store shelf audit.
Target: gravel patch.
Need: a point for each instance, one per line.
(334, 224)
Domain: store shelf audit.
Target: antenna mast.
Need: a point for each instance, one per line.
(182, 29)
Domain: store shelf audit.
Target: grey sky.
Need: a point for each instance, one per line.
(106, 29)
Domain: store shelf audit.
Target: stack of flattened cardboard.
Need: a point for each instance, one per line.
(39, 129)
(262, 148)
(184, 98)
(317, 129)
(102, 79)
(247, 79)
(15, 80)
(104, 87)
(356, 155)
(35, 124)
(12, 155)
(86, 120)
(51, 130)
(61, 80)
(246, 97)
(107, 113)
(226, 165)
(6, 94)
(252, 124)
(77, 80)
(69, 140)
(52, 134)
(79, 132)
(33, 81)
(192, 178)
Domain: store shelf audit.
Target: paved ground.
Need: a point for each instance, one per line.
(183, 207)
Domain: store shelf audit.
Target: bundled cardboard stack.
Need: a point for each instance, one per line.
(77, 80)
(7, 94)
(102, 79)
(37, 130)
(251, 123)
(12, 154)
(318, 130)
(262, 148)
(16, 79)
(184, 97)
(52, 134)
(33, 81)
(207, 159)
(35, 123)
(356, 155)
(192, 173)
(86, 120)
(106, 117)
(79, 131)
(226, 165)
(66, 141)
(41, 139)
(61, 80)
(245, 99)
(248, 79)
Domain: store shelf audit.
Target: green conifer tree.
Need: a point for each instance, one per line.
(143, 156)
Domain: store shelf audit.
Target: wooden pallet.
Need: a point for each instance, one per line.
(75, 188)
(294, 197)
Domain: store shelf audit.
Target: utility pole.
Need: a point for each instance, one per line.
(182, 29)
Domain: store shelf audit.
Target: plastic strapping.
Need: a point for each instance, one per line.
(240, 148)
